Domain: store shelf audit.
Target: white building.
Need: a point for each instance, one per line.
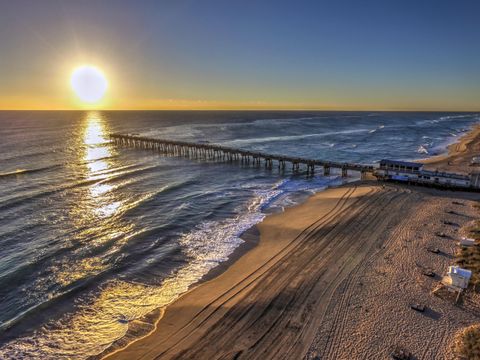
(405, 171)
(457, 277)
(467, 242)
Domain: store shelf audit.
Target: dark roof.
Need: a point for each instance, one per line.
(445, 175)
(401, 163)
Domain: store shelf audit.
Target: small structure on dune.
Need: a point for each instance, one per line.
(454, 282)
(457, 277)
(475, 161)
(467, 242)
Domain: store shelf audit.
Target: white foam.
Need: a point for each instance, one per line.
(103, 318)
(422, 150)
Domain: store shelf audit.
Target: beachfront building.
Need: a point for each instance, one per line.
(413, 172)
(398, 170)
(475, 180)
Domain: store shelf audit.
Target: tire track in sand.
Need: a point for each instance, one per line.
(294, 289)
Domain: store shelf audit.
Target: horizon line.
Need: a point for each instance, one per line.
(253, 109)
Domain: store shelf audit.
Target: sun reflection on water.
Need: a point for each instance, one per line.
(104, 241)
(95, 205)
(101, 201)
(98, 152)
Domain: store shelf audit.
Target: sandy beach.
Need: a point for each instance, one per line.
(459, 154)
(332, 278)
(239, 180)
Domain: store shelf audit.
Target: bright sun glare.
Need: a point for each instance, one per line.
(89, 83)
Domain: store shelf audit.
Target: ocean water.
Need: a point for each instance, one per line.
(93, 236)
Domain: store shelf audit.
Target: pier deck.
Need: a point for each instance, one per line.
(220, 152)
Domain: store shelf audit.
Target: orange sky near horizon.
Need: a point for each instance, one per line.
(242, 56)
(66, 103)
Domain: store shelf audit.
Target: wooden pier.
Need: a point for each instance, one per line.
(224, 153)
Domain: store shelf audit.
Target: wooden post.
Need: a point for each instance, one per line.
(214, 152)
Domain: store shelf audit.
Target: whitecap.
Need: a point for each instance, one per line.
(422, 150)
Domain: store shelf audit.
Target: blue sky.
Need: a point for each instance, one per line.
(245, 54)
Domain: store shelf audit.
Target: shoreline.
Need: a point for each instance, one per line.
(457, 152)
(256, 256)
(250, 237)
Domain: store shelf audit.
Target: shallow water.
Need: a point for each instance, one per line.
(92, 236)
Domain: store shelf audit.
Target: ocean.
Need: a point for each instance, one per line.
(93, 236)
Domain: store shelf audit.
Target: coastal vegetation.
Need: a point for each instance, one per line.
(467, 341)
(469, 258)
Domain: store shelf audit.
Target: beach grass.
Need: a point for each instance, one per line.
(467, 344)
(469, 258)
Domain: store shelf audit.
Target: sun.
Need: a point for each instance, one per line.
(89, 83)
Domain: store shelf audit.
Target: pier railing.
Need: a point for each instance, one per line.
(220, 152)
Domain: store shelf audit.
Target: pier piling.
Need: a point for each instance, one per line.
(213, 152)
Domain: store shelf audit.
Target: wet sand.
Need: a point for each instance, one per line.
(459, 155)
(332, 278)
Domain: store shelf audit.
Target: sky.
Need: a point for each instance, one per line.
(248, 54)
